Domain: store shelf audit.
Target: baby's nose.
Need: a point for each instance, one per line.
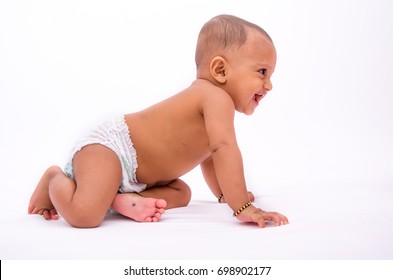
(268, 85)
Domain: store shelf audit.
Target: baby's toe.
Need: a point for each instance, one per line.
(157, 216)
(148, 220)
(160, 203)
(53, 214)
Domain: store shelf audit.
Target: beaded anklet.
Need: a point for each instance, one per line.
(219, 198)
(248, 204)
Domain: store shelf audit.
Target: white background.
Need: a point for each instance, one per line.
(65, 65)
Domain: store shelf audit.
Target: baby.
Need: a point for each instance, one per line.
(132, 163)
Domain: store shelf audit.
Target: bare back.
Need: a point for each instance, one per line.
(170, 137)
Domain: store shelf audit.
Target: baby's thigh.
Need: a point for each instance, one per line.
(97, 173)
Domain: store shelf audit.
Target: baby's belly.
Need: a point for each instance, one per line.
(164, 168)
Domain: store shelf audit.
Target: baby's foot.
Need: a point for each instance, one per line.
(40, 202)
(139, 208)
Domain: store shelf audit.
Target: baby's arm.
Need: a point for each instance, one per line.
(229, 164)
(209, 174)
(227, 161)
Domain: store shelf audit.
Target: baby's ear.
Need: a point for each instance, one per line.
(217, 69)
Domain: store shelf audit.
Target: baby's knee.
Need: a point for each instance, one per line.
(184, 192)
(85, 219)
(85, 222)
(186, 196)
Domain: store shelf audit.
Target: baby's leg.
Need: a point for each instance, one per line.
(97, 174)
(85, 201)
(176, 193)
(40, 202)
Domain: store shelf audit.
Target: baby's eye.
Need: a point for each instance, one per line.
(262, 71)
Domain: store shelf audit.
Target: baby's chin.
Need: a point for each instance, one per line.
(248, 112)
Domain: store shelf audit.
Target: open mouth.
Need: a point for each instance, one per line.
(258, 97)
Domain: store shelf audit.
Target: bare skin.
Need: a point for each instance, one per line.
(40, 202)
(194, 127)
(55, 188)
(139, 208)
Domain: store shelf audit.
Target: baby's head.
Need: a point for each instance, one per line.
(237, 56)
(220, 33)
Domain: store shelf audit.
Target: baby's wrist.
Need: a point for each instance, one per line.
(241, 209)
(220, 198)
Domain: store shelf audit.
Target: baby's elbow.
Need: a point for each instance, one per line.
(222, 146)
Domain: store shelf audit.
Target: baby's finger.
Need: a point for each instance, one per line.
(273, 218)
(261, 222)
(258, 217)
(282, 218)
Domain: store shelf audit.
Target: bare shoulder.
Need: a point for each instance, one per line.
(200, 98)
(218, 112)
(212, 97)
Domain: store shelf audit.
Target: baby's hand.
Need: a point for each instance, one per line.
(256, 215)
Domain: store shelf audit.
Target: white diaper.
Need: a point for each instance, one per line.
(115, 135)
